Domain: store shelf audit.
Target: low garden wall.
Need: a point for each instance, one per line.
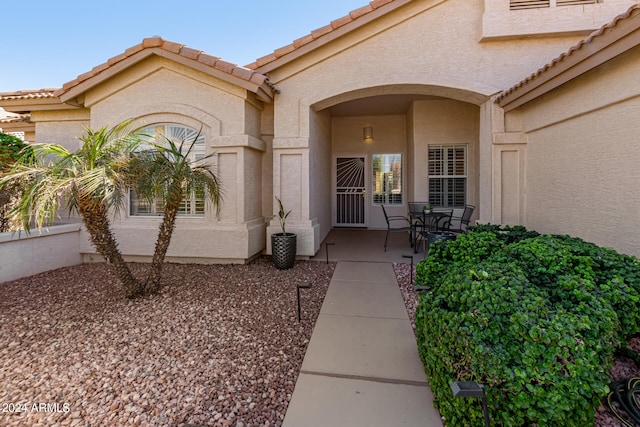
(23, 255)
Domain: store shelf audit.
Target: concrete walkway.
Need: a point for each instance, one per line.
(362, 366)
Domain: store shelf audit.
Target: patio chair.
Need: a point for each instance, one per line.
(415, 208)
(438, 223)
(463, 221)
(397, 224)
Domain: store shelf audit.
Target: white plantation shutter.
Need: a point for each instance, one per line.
(193, 204)
(447, 166)
(536, 4)
(528, 4)
(572, 2)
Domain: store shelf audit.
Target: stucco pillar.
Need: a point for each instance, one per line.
(509, 179)
(291, 185)
(491, 121)
(507, 156)
(239, 160)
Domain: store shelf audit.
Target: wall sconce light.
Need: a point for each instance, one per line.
(368, 134)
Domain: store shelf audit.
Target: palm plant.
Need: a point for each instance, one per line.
(169, 173)
(92, 181)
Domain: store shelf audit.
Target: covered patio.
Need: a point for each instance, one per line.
(363, 245)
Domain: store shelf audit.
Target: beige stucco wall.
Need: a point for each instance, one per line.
(461, 51)
(160, 91)
(389, 136)
(418, 49)
(582, 156)
(430, 53)
(427, 122)
(266, 126)
(62, 127)
(43, 250)
(498, 21)
(320, 170)
(446, 122)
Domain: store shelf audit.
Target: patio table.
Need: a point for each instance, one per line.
(427, 221)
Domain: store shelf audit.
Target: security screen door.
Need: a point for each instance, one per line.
(350, 192)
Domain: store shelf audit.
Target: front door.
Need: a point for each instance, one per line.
(350, 191)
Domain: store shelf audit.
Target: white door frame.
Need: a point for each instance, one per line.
(334, 190)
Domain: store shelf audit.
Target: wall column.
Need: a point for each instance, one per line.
(291, 185)
(491, 121)
(509, 179)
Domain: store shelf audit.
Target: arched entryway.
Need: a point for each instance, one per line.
(386, 147)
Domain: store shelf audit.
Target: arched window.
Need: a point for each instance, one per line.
(193, 204)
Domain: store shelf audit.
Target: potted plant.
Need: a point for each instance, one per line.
(283, 245)
(427, 208)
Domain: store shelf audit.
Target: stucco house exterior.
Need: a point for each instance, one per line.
(397, 101)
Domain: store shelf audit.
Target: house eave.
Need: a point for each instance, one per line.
(24, 102)
(321, 37)
(601, 46)
(73, 93)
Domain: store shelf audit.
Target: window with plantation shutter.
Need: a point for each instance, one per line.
(536, 4)
(192, 204)
(572, 2)
(447, 175)
(528, 4)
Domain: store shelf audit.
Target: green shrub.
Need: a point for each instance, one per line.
(507, 234)
(536, 319)
(541, 364)
(11, 147)
(468, 248)
(614, 276)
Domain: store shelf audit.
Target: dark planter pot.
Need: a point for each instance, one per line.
(283, 250)
(440, 236)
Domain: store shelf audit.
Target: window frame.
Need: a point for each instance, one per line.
(197, 205)
(539, 4)
(447, 173)
(388, 198)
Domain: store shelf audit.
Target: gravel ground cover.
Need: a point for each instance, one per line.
(622, 368)
(219, 346)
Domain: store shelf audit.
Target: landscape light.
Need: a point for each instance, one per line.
(466, 389)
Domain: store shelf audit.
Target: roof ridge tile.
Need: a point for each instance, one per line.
(284, 50)
(172, 47)
(115, 59)
(28, 94)
(608, 27)
(134, 49)
(190, 53)
(379, 3)
(357, 13)
(208, 60)
(319, 32)
(152, 42)
(302, 41)
(243, 73)
(337, 23)
(182, 50)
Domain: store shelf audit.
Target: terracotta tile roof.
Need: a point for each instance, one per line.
(567, 56)
(181, 50)
(27, 94)
(321, 32)
(15, 118)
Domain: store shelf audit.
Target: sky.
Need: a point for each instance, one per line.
(44, 43)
